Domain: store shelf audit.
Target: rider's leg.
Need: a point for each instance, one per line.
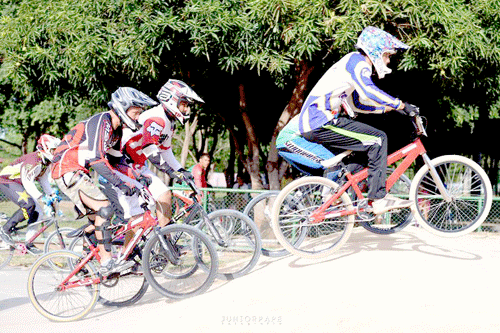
(27, 208)
(88, 198)
(345, 133)
(103, 216)
(164, 208)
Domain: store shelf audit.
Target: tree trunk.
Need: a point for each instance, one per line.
(303, 70)
(252, 162)
(190, 129)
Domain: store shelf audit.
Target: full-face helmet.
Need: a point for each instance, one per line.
(172, 94)
(124, 98)
(375, 42)
(45, 145)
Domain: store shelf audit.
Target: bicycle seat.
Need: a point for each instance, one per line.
(335, 160)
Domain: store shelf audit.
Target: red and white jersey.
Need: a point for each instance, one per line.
(155, 136)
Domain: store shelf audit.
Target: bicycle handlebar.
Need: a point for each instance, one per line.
(193, 186)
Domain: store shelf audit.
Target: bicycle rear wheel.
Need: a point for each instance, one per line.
(394, 220)
(57, 240)
(118, 289)
(60, 301)
(180, 279)
(290, 218)
(6, 254)
(259, 211)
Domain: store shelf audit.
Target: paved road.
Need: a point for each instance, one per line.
(408, 282)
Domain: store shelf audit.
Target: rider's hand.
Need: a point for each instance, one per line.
(184, 175)
(144, 180)
(410, 110)
(128, 191)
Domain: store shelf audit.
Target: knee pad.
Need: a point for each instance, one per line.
(106, 212)
(106, 235)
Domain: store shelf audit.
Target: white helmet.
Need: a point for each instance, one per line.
(172, 93)
(375, 42)
(45, 145)
(124, 98)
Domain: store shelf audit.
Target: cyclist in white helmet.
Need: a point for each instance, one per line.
(18, 183)
(153, 142)
(327, 116)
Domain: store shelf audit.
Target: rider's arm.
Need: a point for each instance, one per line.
(28, 174)
(156, 157)
(44, 181)
(99, 162)
(361, 72)
(163, 159)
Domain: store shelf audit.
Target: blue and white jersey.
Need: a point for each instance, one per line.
(347, 83)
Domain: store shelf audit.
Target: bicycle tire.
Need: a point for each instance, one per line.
(119, 290)
(470, 190)
(259, 208)
(47, 298)
(123, 289)
(290, 213)
(53, 242)
(6, 254)
(242, 243)
(197, 250)
(396, 220)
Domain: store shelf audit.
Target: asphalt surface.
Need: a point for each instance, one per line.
(411, 281)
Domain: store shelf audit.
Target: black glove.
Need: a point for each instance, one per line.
(128, 191)
(410, 110)
(184, 175)
(144, 180)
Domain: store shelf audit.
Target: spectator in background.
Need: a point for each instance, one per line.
(241, 199)
(199, 171)
(240, 184)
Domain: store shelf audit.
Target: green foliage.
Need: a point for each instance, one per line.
(60, 59)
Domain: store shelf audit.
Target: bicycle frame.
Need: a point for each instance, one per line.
(407, 154)
(195, 197)
(142, 225)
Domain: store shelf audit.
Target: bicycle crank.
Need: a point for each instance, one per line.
(364, 211)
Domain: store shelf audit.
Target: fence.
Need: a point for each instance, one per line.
(222, 198)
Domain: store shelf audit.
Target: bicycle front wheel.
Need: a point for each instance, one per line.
(470, 195)
(291, 212)
(180, 278)
(58, 300)
(236, 239)
(259, 211)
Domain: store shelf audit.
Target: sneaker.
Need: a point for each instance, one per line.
(112, 267)
(6, 237)
(32, 249)
(388, 203)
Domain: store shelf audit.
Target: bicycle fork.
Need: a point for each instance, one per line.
(168, 247)
(436, 178)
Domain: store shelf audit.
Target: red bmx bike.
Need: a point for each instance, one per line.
(313, 216)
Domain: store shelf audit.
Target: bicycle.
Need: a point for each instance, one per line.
(259, 210)
(313, 216)
(169, 257)
(180, 199)
(235, 235)
(56, 239)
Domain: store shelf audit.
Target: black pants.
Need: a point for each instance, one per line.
(27, 206)
(352, 135)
